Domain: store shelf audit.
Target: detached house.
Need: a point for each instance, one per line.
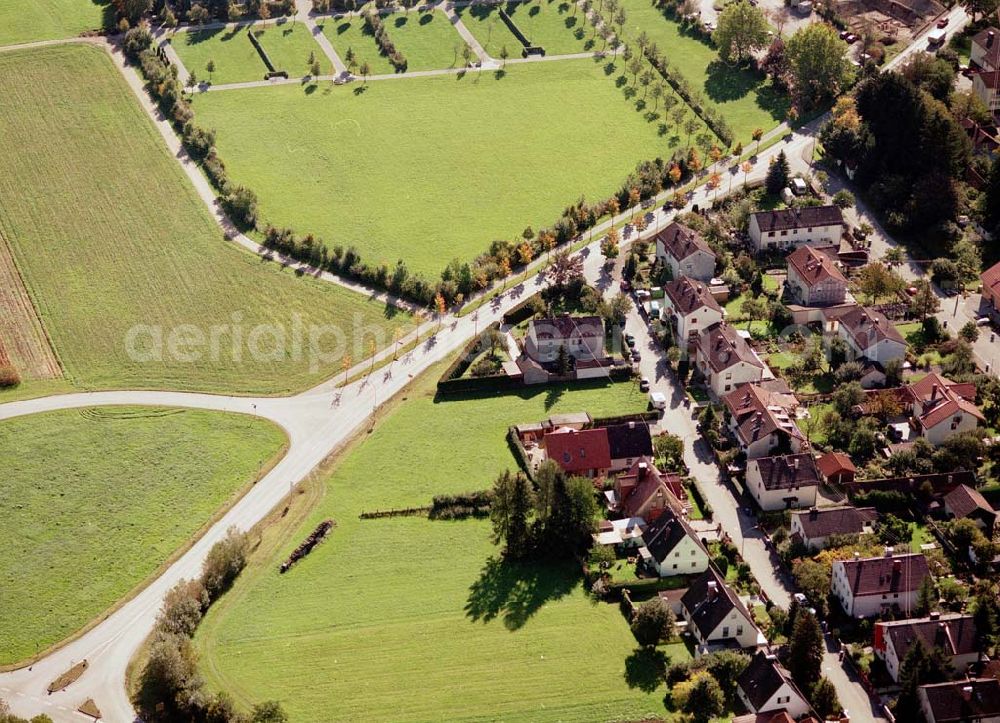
(791, 227)
(762, 418)
(942, 408)
(671, 547)
(582, 338)
(870, 334)
(779, 483)
(725, 359)
(643, 491)
(962, 701)
(689, 307)
(814, 279)
(984, 57)
(716, 617)
(627, 443)
(685, 252)
(991, 287)
(868, 586)
(965, 501)
(955, 635)
(579, 452)
(765, 687)
(813, 528)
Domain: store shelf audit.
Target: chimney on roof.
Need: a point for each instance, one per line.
(631, 425)
(897, 567)
(813, 513)
(795, 463)
(934, 391)
(857, 555)
(935, 615)
(643, 470)
(967, 692)
(888, 551)
(713, 589)
(989, 39)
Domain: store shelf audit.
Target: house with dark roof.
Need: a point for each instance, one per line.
(869, 586)
(716, 616)
(685, 252)
(783, 482)
(869, 334)
(643, 491)
(790, 227)
(941, 408)
(814, 279)
(762, 419)
(955, 635)
(814, 527)
(671, 547)
(766, 687)
(991, 287)
(961, 701)
(581, 336)
(689, 307)
(724, 359)
(965, 501)
(579, 452)
(628, 442)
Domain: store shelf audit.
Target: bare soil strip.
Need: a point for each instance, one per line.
(22, 337)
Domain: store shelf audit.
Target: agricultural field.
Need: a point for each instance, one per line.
(428, 41)
(129, 487)
(25, 21)
(22, 340)
(425, 613)
(556, 25)
(485, 155)
(349, 36)
(745, 100)
(131, 255)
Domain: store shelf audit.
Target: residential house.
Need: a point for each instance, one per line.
(814, 279)
(716, 617)
(725, 360)
(965, 501)
(870, 334)
(628, 442)
(814, 527)
(984, 57)
(765, 686)
(869, 586)
(644, 491)
(791, 227)
(961, 701)
(689, 307)
(942, 408)
(836, 468)
(671, 547)
(783, 482)
(991, 287)
(762, 418)
(581, 336)
(685, 252)
(579, 452)
(955, 635)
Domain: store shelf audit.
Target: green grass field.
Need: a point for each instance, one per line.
(25, 21)
(127, 489)
(427, 40)
(552, 24)
(482, 157)
(485, 24)
(289, 46)
(741, 96)
(236, 60)
(420, 612)
(115, 246)
(350, 34)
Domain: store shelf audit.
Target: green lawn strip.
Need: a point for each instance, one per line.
(128, 488)
(359, 181)
(419, 611)
(484, 22)
(350, 34)
(289, 46)
(815, 429)
(744, 99)
(428, 41)
(24, 21)
(236, 59)
(130, 253)
(556, 25)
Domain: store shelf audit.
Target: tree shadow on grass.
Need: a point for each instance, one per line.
(646, 669)
(725, 83)
(774, 101)
(553, 395)
(515, 591)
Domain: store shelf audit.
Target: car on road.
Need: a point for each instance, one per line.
(625, 285)
(630, 339)
(911, 290)
(644, 384)
(942, 23)
(658, 400)
(636, 356)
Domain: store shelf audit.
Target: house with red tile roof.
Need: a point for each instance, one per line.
(869, 586)
(836, 468)
(762, 418)
(685, 252)
(725, 360)
(966, 501)
(814, 279)
(644, 491)
(689, 307)
(991, 286)
(869, 334)
(942, 408)
(579, 452)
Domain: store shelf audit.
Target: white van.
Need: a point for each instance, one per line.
(937, 38)
(658, 400)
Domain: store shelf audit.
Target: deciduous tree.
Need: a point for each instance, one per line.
(742, 31)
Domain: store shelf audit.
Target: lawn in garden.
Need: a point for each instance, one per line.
(428, 41)
(743, 97)
(236, 59)
(119, 253)
(289, 46)
(25, 21)
(349, 36)
(424, 613)
(484, 22)
(127, 489)
(556, 25)
(481, 158)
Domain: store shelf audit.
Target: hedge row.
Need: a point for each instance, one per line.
(261, 52)
(373, 21)
(457, 507)
(512, 26)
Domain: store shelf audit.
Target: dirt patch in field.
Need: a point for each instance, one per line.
(22, 339)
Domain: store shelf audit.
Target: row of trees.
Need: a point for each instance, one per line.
(373, 21)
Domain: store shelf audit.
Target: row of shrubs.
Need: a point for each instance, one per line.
(373, 21)
(461, 506)
(205, 11)
(326, 6)
(9, 376)
(712, 117)
(170, 686)
(161, 81)
(307, 545)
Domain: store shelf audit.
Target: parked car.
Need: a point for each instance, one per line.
(966, 71)
(644, 384)
(625, 285)
(657, 400)
(851, 39)
(942, 23)
(630, 339)
(911, 290)
(636, 356)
